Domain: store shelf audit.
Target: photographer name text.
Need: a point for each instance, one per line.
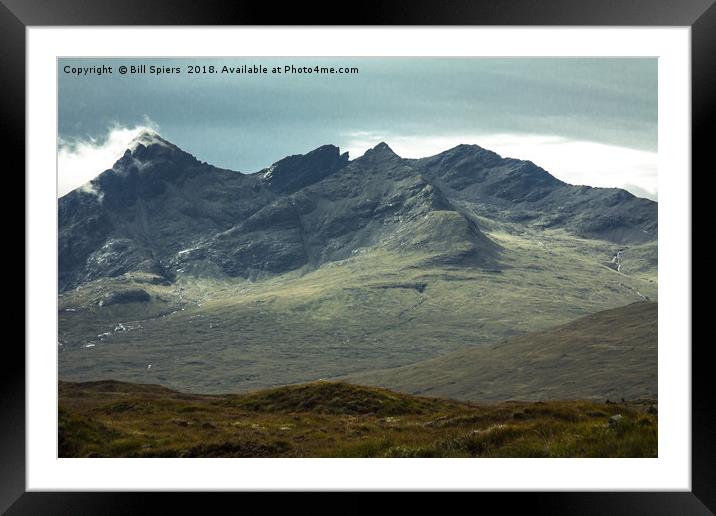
(244, 69)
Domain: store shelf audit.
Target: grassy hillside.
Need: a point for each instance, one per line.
(327, 419)
(608, 355)
(378, 309)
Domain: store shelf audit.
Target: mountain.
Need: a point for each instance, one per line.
(608, 355)
(159, 210)
(202, 279)
(516, 190)
(157, 203)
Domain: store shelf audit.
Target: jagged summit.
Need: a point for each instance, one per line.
(467, 147)
(150, 146)
(147, 138)
(382, 146)
(380, 152)
(463, 156)
(294, 172)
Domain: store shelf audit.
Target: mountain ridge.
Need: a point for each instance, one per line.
(159, 210)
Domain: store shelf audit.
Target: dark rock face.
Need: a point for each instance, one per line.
(270, 240)
(160, 210)
(155, 202)
(295, 172)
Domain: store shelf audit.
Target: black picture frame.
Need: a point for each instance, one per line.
(17, 15)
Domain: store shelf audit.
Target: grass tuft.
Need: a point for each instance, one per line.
(336, 419)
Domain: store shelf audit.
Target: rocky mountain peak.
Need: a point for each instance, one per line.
(381, 152)
(463, 155)
(147, 138)
(150, 146)
(294, 172)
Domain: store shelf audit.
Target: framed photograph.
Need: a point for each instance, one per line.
(420, 252)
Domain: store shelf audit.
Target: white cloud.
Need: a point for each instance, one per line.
(572, 161)
(80, 160)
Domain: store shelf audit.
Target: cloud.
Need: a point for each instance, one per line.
(641, 192)
(573, 161)
(81, 159)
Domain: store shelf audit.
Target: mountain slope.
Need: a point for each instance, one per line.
(610, 354)
(516, 190)
(375, 310)
(372, 200)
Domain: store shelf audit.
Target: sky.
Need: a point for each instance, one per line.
(587, 121)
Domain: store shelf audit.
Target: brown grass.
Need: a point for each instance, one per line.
(332, 419)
